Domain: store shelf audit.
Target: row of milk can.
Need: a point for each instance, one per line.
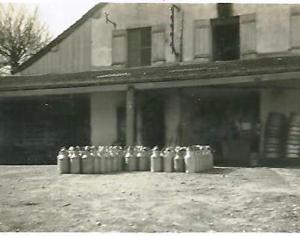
(193, 159)
(107, 159)
(90, 160)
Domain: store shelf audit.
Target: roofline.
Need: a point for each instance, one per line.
(59, 38)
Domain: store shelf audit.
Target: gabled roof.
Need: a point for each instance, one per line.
(59, 38)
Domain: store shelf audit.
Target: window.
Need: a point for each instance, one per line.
(139, 47)
(226, 38)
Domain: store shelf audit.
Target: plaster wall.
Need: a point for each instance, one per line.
(104, 117)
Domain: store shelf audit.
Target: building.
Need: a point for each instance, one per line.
(155, 74)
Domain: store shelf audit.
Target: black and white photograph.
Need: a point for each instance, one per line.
(149, 116)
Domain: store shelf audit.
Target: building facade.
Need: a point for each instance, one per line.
(156, 74)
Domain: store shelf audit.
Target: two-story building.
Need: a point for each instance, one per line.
(155, 74)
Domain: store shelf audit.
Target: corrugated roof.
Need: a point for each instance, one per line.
(178, 72)
(59, 38)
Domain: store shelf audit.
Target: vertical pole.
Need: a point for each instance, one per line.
(139, 125)
(130, 116)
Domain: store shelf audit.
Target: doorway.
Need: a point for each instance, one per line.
(152, 109)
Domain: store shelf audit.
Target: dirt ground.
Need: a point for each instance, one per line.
(36, 198)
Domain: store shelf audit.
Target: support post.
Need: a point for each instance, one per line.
(130, 116)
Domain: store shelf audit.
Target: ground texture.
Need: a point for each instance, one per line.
(36, 198)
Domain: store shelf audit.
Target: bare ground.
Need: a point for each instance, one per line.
(36, 198)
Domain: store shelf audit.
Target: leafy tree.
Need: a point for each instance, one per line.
(21, 35)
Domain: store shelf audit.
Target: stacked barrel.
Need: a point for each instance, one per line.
(275, 136)
(293, 137)
(108, 159)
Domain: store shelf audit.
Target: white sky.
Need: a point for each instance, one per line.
(60, 14)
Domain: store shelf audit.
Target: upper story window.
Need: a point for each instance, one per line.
(139, 47)
(226, 38)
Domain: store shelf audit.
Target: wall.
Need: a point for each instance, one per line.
(73, 54)
(125, 16)
(90, 46)
(172, 117)
(272, 26)
(104, 118)
(280, 100)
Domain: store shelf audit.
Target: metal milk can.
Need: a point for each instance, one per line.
(143, 159)
(101, 156)
(156, 160)
(179, 160)
(190, 161)
(130, 159)
(203, 160)
(121, 159)
(108, 160)
(87, 161)
(115, 159)
(63, 161)
(210, 157)
(75, 161)
(168, 159)
(199, 161)
(97, 160)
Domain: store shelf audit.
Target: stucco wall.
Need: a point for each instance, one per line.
(272, 26)
(172, 117)
(104, 117)
(90, 45)
(125, 16)
(280, 100)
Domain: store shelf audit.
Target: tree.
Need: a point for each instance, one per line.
(21, 35)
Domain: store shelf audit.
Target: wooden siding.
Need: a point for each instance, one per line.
(73, 54)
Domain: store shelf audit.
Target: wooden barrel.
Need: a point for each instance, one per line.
(275, 135)
(293, 137)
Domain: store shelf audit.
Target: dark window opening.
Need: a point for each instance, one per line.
(139, 47)
(226, 38)
(224, 10)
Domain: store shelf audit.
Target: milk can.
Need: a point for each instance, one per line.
(209, 157)
(143, 159)
(87, 161)
(101, 156)
(115, 159)
(63, 161)
(195, 150)
(156, 160)
(108, 160)
(97, 160)
(190, 161)
(121, 159)
(130, 159)
(168, 160)
(75, 162)
(204, 159)
(179, 160)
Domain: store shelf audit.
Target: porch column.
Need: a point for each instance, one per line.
(130, 116)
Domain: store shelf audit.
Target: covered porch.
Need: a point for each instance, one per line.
(175, 104)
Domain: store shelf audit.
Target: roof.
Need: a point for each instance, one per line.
(175, 72)
(59, 38)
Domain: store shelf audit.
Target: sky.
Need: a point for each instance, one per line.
(58, 15)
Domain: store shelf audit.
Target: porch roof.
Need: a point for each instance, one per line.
(211, 73)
